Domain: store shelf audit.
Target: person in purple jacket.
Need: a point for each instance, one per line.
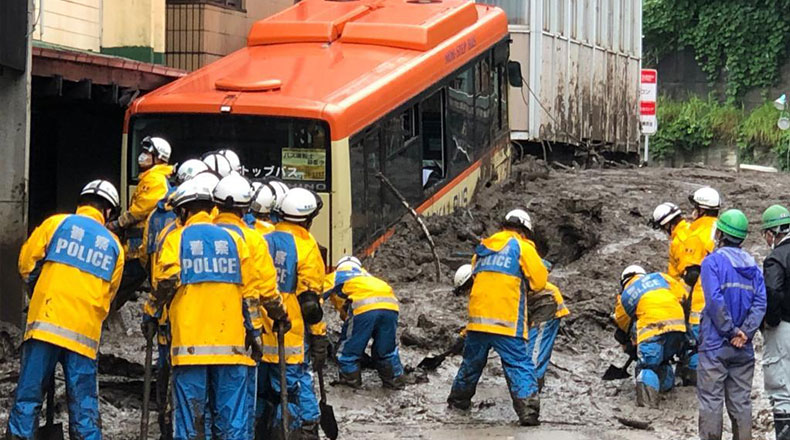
(735, 304)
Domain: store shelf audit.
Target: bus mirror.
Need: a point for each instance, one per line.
(514, 74)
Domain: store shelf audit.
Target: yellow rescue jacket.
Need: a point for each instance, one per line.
(354, 291)
(152, 187)
(677, 249)
(300, 268)
(212, 269)
(75, 264)
(149, 307)
(697, 245)
(506, 267)
(652, 301)
(562, 309)
(263, 227)
(264, 277)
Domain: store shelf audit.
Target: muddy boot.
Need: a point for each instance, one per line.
(353, 379)
(741, 431)
(308, 431)
(782, 425)
(541, 382)
(459, 400)
(646, 396)
(690, 378)
(388, 379)
(528, 411)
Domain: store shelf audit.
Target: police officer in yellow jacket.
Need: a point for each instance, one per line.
(300, 278)
(648, 312)
(506, 269)
(205, 272)
(369, 310)
(699, 242)
(668, 217)
(267, 196)
(72, 265)
(152, 187)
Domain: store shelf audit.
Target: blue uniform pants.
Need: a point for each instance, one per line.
(653, 356)
(541, 344)
(38, 365)
(302, 402)
(516, 362)
(379, 325)
(218, 390)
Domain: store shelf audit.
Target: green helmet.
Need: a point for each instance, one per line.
(733, 222)
(775, 215)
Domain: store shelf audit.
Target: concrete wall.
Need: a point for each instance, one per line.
(134, 29)
(72, 23)
(14, 149)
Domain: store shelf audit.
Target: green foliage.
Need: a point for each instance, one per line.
(696, 124)
(743, 42)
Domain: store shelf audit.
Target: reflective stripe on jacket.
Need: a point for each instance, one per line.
(74, 265)
(300, 268)
(698, 244)
(212, 267)
(651, 300)
(506, 267)
(354, 291)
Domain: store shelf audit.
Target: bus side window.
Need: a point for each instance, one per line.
(462, 149)
(432, 129)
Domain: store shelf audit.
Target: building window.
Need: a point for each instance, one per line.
(410, 127)
(230, 4)
(517, 11)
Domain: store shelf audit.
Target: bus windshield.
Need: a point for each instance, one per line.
(294, 150)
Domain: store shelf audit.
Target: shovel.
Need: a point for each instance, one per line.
(328, 421)
(52, 430)
(283, 380)
(149, 349)
(614, 372)
(431, 363)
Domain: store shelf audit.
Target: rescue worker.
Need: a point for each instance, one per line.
(300, 278)
(668, 217)
(734, 308)
(462, 280)
(72, 265)
(267, 197)
(648, 313)
(152, 186)
(155, 323)
(697, 245)
(543, 331)
(204, 271)
(369, 310)
(233, 195)
(506, 269)
(776, 331)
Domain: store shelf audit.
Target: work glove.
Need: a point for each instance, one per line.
(149, 327)
(284, 322)
(319, 351)
(252, 342)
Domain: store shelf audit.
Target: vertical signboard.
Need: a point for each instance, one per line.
(648, 92)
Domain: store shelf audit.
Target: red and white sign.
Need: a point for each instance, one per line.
(648, 92)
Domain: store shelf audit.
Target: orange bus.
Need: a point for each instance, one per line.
(326, 94)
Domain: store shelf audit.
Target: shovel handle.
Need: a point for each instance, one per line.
(149, 348)
(283, 379)
(321, 385)
(51, 401)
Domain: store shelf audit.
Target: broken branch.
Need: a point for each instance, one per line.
(417, 217)
(636, 424)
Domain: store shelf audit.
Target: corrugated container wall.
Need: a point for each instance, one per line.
(580, 60)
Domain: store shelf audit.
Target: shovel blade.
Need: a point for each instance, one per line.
(328, 421)
(614, 373)
(431, 363)
(50, 432)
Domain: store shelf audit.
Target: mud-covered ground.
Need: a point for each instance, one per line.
(591, 223)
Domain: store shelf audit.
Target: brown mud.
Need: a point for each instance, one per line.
(590, 224)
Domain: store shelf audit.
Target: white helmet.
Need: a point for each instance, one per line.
(157, 146)
(630, 272)
(200, 187)
(350, 261)
(519, 216)
(664, 213)
(299, 205)
(233, 159)
(103, 189)
(190, 169)
(280, 190)
(233, 191)
(706, 198)
(263, 202)
(462, 275)
(219, 164)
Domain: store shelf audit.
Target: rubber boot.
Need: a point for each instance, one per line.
(527, 410)
(782, 425)
(689, 378)
(308, 431)
(459, 400)
(353, 379)
(741, 432)
(389, 380)
(646, 396)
